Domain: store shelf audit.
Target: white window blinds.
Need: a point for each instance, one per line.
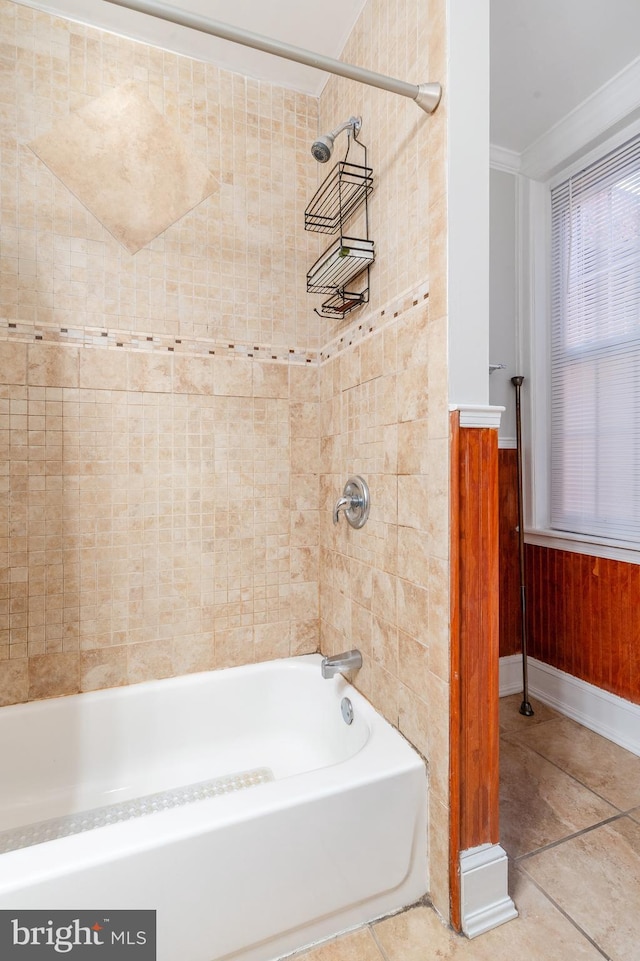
(595, 348)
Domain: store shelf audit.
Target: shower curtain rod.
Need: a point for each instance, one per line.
(426, 95)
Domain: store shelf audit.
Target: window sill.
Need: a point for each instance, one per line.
(584, 544)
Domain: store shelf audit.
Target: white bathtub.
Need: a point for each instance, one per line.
(337, 837)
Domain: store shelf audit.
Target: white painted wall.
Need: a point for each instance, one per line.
(503, 302)
(468, 201)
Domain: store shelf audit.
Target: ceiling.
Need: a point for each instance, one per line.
(322, 27)
(547, 56)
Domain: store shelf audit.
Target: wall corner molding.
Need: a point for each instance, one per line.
(484, 889)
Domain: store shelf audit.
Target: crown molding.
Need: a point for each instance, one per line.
(501, 158)
(611, 107)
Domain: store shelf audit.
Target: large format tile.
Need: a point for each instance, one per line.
(540, 933)
(599, 764)
(512, 720)
(126, 164)
(595, 878)
(539, 803)
(356, 946)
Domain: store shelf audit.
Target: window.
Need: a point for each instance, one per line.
(595, 348)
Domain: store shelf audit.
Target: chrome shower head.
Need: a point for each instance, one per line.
(322, 148)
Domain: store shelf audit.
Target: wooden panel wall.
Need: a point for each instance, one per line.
(582, 611)
(510, 618)
(474, 734)
(584, 617)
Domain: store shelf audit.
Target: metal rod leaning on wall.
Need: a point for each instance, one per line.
(525, 707)
(426, 95)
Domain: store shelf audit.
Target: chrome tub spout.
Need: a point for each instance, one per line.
(339, 663)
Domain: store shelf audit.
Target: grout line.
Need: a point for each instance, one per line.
(569, 837)
(573, 777)
(378, 945)
(571, 920)
(424, 901)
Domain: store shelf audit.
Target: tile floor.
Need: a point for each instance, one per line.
(570, 823)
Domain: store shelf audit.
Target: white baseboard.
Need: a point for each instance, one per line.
(606, 714)
(484, 893)
(511, 674)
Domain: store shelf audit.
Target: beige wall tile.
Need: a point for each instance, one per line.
(13, 363)
(272, 641)
(103, 668)
(14, 681)
(384, 644)
(304, 528)
(305, 455)
(413, 447)
(52, 366)
(413, 338)
(102, 369)
(413, 556)
(52, 675)
(414, 720)
(151, 372)
(305, 420)
(304, 564)
(271, 380)
(413, 610)
(192, 375)
(234, 647)
(413, 393)
(150, 660)
(305, 636)
(232, 378)
(413, 664)
(304, 383)
(383, 596)
(439, 826)
(414, 507)
(193, 652)
(305, 492)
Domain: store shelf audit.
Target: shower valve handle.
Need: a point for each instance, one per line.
(354, 502)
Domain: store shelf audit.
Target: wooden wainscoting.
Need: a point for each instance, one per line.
(510, 616)
(582, 617)
(582, 611)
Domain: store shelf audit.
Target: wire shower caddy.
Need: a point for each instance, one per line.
(341, 194)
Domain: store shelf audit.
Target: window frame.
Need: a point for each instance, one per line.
(535, 333)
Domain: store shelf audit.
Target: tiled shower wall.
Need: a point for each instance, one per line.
(384, 413)
(147, 517)
(228, 271)
(160, 496)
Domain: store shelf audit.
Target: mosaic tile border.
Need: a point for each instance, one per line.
(374, 321)
(26, 332)
(113, 339)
